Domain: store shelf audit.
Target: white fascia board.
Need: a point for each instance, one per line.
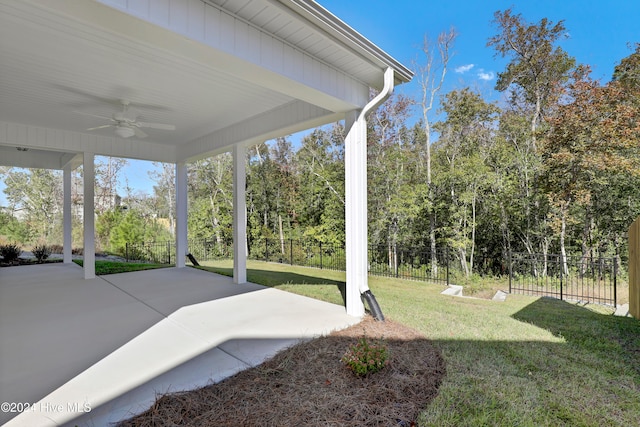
(291, 118)
(342, 33)
(40, 138)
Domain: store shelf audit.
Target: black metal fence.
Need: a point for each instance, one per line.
(586, 279)
(583, 279)
(153, 252)
(389, 261)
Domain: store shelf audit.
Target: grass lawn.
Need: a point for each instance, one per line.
(527, 361)
(113, 267)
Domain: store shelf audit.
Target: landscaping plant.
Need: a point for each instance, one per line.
(365, 357)
(41, 252)
(10, 252)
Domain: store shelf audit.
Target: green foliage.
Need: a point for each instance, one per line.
(38, 193)
(14, 230)
(366, 357)
(130, 229)
(134, 227)
(627, 72)
(10, 252)
(537, 63)
(41, 252)
(114, 267)
(105, 223)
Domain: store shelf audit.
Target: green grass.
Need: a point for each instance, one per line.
(526, 362)
(113, 267)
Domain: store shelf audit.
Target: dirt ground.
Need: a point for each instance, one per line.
(307, 384)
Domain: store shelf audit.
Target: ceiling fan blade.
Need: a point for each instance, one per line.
(93, 115)
(139, 133)
(100, 127)
(156, 126)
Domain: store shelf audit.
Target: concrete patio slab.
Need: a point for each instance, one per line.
(112, 343)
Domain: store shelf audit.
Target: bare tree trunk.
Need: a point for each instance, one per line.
(473, 231)
(431, 82)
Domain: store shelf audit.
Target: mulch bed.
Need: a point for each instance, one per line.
(307, 384)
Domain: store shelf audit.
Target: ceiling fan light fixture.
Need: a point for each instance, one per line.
(124, 131)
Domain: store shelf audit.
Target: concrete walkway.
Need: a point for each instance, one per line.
(91, 352)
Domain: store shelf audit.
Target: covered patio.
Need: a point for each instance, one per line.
(179, 80)
(170, 81)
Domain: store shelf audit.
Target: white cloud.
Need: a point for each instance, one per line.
(487, 76)
(463, 68)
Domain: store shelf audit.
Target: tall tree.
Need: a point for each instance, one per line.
(463, 148)
(537, 65)
(593, 135)
(210, 185)
(320, 211)
(393, 160)
(36, 196)
(107, 174)
(431, 77)
(164, 201)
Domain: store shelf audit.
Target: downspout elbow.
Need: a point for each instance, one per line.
(386, 92)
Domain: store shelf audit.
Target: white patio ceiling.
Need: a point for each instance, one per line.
(223, 72)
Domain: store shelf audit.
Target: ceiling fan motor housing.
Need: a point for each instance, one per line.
(124, 131)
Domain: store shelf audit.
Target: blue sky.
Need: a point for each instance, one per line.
(598, 34)
(598, 31)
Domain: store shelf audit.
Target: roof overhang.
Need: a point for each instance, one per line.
(222, 72)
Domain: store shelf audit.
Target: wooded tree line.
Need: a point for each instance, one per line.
(552, 168)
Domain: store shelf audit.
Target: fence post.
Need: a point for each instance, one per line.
(291, 250)
(510, 261)
(126, 251)
(615, 281)
(446, 260)
(169, 251)
(395, 260)
(320, 255)
(561, 275)
(266, 249)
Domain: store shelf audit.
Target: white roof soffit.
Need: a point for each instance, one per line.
(222, 71)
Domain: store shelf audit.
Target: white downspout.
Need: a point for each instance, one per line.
(384, 94)
(356, 200)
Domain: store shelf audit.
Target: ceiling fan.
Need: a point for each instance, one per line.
(126, 125)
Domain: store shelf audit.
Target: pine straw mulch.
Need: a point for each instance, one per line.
(307, 384)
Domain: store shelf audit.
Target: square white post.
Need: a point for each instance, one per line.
(181, 214)
(239, 214)
(355, 160)
(66, 215)
(89, 250)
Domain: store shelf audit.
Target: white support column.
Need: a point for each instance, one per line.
(181, 214)
(239, 214)
(89, 250)
(66, 215)
(355, 161)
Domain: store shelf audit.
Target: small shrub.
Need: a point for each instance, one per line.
(10, 252)
(364, 357)
(56, 249)
(41, 252)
